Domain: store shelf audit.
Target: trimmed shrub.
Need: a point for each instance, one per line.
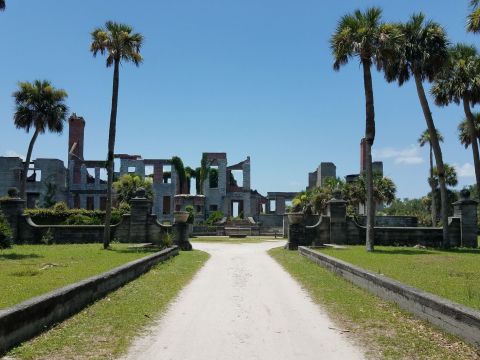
(60, 214)
(5, 232)
(215, 217)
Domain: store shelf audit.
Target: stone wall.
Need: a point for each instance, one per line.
(138, 227)
(25, 320)
(337, 228)
(391, 221)
(452, 317)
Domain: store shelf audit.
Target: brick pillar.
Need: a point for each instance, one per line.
(466, 210)
(337, 210)
(13, 208)
(76, 125)
(139, 210)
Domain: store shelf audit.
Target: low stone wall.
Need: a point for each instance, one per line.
(26, 320)
(270, 220)
(451, 317)
(337, 228)
(391, 221)
(204, 230)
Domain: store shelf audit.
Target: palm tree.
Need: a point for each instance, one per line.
(362, 35)
(120, 44)
(463, 133)
(459, 82)
(422, 56)
(473, 20)
(422, 141)
(41, 107)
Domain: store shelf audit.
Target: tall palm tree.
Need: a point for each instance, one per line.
(364, 36)
(459, 82)
(463, 132)
(120, 44)
(422, 56)
(40, 107)
(422, 141)
(473, 20)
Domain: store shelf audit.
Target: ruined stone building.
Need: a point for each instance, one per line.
(83, 183)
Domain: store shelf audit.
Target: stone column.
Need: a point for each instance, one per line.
(139, 210)
(13, 209)
(181, 236)
(466, 210)
(180, 229)
(337, 210)
(296, 231)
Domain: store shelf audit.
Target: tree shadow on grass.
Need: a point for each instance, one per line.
(136, 250)
(14, 256)
(403, 252)
(462, 251)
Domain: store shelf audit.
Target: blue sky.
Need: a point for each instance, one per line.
(250, 77)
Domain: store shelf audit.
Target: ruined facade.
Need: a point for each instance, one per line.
(83, 183)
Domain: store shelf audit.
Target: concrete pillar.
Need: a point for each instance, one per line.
(83, 174)
(337, 211)
(139, 212)
(466, 210)
(97, 176)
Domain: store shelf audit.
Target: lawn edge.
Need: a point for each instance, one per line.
(25, 320)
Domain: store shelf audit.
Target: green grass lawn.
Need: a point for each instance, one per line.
(31, 270)
(107, 328)
(452, 274)
(380, 327)
(228, 240)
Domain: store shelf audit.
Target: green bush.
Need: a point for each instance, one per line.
(5, 233)
(60, 214)
(191, 214)
(79, 219)
(215, 217)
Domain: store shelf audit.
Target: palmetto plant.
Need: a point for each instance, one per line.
(473, 20)
(120, 44)
(422, 56)
(422, 141)
(38, 107)
(459, 83)
(463, 133)
(363, 36)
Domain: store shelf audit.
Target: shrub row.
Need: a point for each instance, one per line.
(60, 214)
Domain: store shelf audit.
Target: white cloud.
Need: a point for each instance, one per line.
(406, 156)
(13, 153)
(465, 170)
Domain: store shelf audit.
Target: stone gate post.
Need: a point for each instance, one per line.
(466, 210)
(337, 210)
(140, 208)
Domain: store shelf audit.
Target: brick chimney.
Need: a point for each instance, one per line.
(76, 136)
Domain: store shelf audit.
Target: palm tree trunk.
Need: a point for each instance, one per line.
(473, 139)
(369, 139)
(437, 151)
(431, 181)
(111, 152)
(26, 165)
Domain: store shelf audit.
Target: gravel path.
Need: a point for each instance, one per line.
(243, 305)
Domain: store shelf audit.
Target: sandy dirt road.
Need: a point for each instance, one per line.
(243, 305)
